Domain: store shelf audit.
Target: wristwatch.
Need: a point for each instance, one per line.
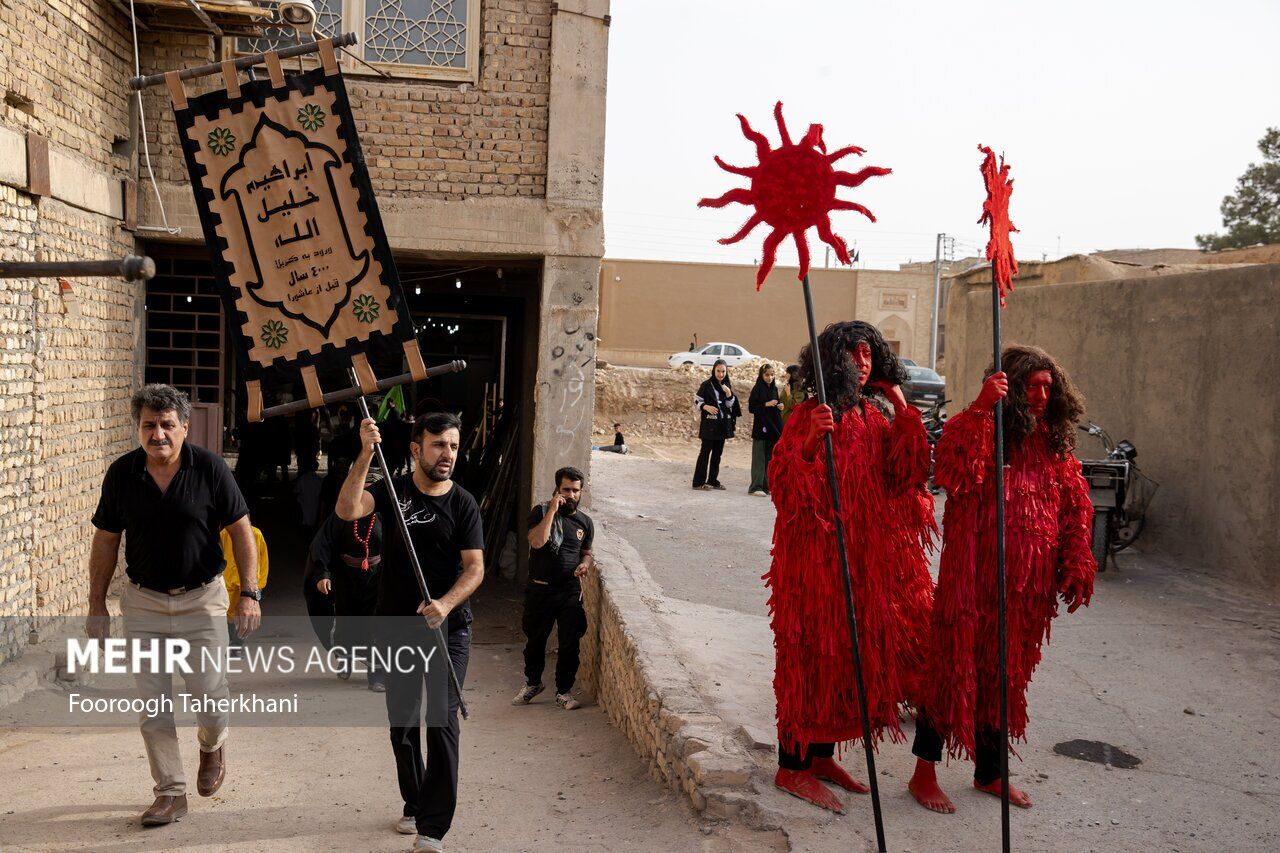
(255, 594)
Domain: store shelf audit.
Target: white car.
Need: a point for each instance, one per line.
(705, 356)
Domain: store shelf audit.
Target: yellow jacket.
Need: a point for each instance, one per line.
(231, 574)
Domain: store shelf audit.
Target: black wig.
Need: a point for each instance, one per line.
(836, 345)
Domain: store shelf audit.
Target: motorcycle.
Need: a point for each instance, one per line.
(1120, 495)
(934, 420)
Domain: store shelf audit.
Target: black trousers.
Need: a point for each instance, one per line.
(545, 606)
(707, 469)
(792, 761)
(430, 790)
(986, 749)
(355, 595)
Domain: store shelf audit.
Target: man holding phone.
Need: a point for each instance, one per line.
(560, 539)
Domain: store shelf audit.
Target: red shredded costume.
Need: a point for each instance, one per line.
(888, 515)
(1047, 534)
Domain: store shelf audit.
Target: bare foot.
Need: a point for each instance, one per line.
(1016, 797)
(828, 770)
(805, 786)
(924, 787)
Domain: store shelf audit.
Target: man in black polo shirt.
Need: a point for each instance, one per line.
(444, 523)
(170, 500)
(560, 536)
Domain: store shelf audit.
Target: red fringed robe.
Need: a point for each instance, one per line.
(888, 516)
(1047, 534)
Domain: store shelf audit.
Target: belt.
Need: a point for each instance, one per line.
(354, 562)
(177, 590)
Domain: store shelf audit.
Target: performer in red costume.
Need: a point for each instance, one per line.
(882, 469)
(1047, 555)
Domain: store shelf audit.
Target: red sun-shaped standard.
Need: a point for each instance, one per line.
(995, 212)
(793, 189)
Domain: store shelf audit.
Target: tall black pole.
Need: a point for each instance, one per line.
(1000, 584)
(413, 559)
(850, 614)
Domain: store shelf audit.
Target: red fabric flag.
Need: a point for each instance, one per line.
(995, 213)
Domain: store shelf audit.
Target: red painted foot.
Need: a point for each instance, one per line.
(925, 788)
(807, 787)
(828, 770)
(1016, 797)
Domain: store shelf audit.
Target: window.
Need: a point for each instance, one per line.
(712, 350)
(729, 350)
(428, 39)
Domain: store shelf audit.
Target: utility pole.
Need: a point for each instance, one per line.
(937, 290)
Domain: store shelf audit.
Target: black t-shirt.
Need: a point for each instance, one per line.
(442, 528)
(553, 567)
(171, 538)
(618, 439)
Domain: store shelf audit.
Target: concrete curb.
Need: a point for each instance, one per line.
(630, 664)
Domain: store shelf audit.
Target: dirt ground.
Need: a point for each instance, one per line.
(532, 778)
(1166, 664)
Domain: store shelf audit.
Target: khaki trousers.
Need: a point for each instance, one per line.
(200, 618)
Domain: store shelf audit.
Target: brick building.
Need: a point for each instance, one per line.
(485, 145)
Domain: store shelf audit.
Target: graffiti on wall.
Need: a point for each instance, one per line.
(573, 350)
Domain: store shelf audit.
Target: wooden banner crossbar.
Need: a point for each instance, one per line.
(344, 394)
(145, 82)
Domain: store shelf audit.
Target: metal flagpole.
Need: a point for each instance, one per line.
(1000, 583)
(413, 555)
(816, 356)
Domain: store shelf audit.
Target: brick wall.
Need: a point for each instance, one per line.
(70, 59)
(17, 409)
(65, 378)
(84, 375)
(420, 138)
(490, 140)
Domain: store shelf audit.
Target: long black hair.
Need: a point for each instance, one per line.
(836, 345)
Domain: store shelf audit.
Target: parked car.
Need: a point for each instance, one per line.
(906, 362)
(706, 356)
(924, 387)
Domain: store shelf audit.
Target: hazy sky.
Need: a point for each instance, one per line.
(1125, 122)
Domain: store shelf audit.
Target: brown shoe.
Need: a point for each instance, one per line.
(213, 767)
(165, 810)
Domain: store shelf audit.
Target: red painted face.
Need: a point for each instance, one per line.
(1039, 386)
(861, 355)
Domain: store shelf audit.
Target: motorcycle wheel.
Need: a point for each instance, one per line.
(1100, 544)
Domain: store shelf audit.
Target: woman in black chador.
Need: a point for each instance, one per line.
(718, 409)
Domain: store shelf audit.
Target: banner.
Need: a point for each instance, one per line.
(291, 222)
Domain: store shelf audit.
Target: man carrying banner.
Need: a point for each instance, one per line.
(882, 465)
(444, 522)
(1047, 555)
(170, 500)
